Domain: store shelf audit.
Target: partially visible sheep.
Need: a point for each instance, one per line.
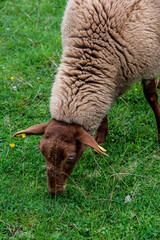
(107, 46)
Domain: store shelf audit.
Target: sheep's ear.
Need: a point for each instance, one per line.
(38, 129)
(88, 140)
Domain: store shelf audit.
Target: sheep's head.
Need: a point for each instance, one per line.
(62, 146)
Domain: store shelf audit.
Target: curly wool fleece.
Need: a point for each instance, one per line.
(107, 46)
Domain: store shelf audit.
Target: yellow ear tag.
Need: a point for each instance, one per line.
(23, 135)
(104, 150)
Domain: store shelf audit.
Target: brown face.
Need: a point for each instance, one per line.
(61, 151)
(62, 146)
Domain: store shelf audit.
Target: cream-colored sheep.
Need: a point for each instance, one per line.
(107, 46)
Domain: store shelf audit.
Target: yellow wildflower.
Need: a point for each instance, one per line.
(12, 78)
(12, 145)
(136, 89)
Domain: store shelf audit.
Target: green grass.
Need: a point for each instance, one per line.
(93, 206)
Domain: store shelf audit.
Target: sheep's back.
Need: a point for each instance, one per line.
(122, 33)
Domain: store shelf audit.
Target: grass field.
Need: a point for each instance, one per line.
(93, 205)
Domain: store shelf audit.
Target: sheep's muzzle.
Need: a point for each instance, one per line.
(56, 179)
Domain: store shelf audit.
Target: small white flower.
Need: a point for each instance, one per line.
(14, 88)
(128, 199)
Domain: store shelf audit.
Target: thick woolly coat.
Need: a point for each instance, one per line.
(107, 46)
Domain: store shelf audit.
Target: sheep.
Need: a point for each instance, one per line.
(108, 45)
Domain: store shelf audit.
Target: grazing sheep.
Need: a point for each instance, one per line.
(107, 46)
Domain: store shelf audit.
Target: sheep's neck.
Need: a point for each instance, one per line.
(81, 97)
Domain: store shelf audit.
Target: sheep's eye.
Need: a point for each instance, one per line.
(71, 157)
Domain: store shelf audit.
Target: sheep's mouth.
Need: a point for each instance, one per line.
(56, 192)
